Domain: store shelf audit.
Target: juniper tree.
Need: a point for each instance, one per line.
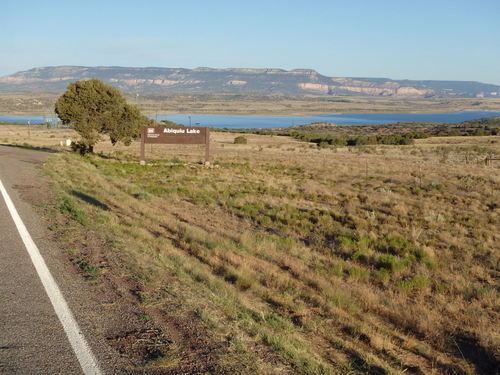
(94, 108)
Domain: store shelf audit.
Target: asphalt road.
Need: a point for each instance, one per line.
(32, 338)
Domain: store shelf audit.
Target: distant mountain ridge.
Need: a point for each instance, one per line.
(238, 80)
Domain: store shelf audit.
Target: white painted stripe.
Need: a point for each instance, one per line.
(82, 350)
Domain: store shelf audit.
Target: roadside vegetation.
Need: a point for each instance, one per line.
(297, 259)
(94, 109)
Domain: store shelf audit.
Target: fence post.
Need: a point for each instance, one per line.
(207, 146)
(143, 157)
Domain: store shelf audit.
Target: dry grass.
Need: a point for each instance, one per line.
(380, 259)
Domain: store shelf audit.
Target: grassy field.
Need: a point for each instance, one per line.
(42, 104)
(296, 259)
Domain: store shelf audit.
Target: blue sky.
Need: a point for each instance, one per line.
(419, 39)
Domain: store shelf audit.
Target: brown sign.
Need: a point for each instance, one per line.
(176, 136)
(182, 136)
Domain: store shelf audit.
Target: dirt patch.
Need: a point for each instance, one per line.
(35, 194)
(145, 344)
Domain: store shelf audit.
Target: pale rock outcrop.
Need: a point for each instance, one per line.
(324, 89)
(17, 79)
(368, 90)
(412, 91)
(236, 83)
(375, 88)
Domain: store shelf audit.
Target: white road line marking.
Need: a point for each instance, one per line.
(82, 350)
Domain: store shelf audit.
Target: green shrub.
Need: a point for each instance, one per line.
(347, 241)
(93, 109)
(417, 283)
(67, 207)
(90, 272)
(240, 140)
(390, 263)
(277, 322)
(244, 283)
(361, 255)
(383, 275)
(143, 195)
(396, 245)
(358, 273)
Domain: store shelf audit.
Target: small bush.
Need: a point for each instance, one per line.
(143, 195)
(240, 140)
(383, 275)
(358, 273)
(202, 314)
(244, 283)
(347, 241)
(337, 270)
(390, 263)
(67, 207)
(277, 322)
(90, 272)
(394, 245)
(415, 284)
(82, 148)
(361, 255)
(176, 160)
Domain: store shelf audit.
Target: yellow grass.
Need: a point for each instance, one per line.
(379, 259)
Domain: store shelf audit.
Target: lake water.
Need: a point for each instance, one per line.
(235, 122)
(266, 122)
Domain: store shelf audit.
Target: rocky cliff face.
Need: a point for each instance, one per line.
(389, 88)
(315, 87)
(237, 80)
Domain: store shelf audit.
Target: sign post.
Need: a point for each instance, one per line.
(175, 135)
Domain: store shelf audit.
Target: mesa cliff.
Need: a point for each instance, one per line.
(238, 81)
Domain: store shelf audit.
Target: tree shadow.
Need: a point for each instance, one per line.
(33, 148)
(473, 352)
(90, 200)
(358, 364)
